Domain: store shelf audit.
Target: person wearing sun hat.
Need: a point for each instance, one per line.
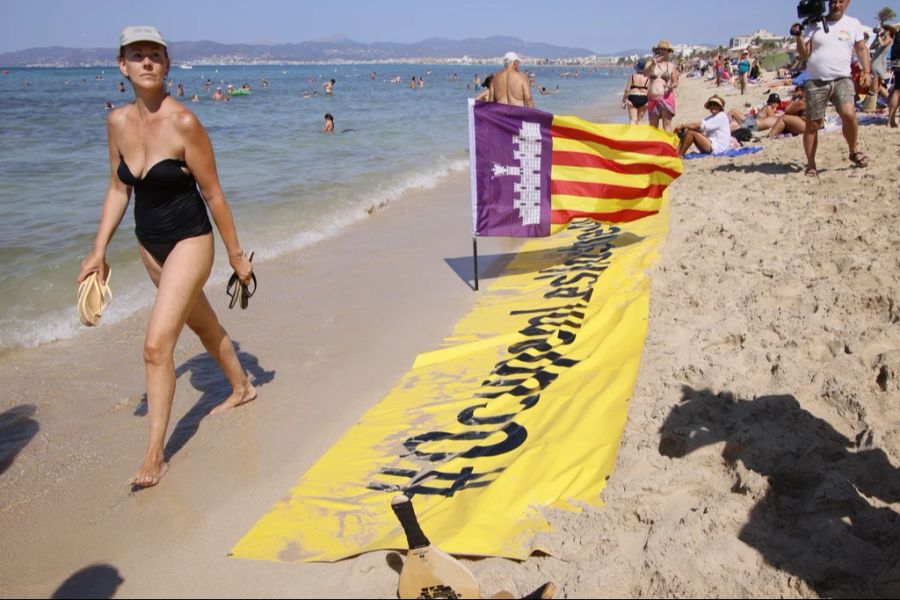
(710, 136)
(159, 150)
(663, 80)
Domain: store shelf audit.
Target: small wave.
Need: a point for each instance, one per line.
(63, 323)
(364, 204)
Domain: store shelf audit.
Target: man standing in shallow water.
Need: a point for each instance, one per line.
(510, 86)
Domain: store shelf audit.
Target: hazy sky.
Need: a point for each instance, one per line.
(598, 25)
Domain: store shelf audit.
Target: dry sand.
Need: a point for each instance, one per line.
(760, 458)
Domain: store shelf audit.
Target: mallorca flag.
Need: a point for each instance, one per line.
(533, 172)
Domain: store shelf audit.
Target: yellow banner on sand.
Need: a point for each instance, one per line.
(522, 409)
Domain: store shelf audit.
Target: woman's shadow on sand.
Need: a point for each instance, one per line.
(823, 516)
(206, 377)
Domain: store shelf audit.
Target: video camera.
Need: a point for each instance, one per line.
(810, 11)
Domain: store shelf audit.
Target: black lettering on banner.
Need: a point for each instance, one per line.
(465, 479)
(515, 384)
(570, 292)
(514, 433)
(467, 415)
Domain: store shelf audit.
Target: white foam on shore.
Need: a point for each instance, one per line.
(367, 202)
(61, 324)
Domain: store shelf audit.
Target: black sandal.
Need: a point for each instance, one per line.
(240, 292)
(859, 159)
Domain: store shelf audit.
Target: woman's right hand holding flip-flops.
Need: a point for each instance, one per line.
(94, 262)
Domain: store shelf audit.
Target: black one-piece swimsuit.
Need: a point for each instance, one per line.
(168, 206)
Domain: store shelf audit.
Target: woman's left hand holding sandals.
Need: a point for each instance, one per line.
(241, 265)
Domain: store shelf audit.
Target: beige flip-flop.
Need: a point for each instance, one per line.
(93, 298)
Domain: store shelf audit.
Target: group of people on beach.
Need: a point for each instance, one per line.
(651, 88)
(827, 53)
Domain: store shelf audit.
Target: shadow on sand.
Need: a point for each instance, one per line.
(766, 168)
(823, 517)
(207, 378)
(95, 581)
(491, 266)
(17, 429)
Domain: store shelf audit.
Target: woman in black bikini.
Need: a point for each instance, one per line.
(635, 96)
(159, 149)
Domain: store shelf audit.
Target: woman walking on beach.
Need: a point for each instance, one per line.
(158, 148)
(663, 76)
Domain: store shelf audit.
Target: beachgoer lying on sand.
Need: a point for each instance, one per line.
(792, 120)
(756, 119)
(159, 150)
(710, 136)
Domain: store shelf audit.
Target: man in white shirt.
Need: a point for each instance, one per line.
(828, 69)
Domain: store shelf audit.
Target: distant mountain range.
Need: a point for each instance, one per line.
(334, 48)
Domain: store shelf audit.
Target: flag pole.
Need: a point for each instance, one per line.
(475, 259)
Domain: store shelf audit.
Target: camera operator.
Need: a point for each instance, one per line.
(827, 56)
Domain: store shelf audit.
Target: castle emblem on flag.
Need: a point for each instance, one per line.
(527, 189)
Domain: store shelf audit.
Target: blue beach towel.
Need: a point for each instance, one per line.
(800, 79)
(736, 152)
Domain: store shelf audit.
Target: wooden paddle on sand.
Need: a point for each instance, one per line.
(428, 572)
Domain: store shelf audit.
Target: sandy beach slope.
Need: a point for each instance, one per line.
(761, 456)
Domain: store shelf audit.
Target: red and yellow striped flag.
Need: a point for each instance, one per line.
(533, 172)
(609, 173)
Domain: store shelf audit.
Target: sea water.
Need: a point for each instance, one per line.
(288, 184)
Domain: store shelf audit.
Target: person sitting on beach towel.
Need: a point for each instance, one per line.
(712, 135)
(663, 80)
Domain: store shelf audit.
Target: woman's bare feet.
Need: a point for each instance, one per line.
(150, 472)
(237, 397)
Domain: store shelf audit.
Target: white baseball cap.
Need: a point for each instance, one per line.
(141, 33)
(511, 57)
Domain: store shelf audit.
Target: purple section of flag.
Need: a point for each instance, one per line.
(512, 152)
